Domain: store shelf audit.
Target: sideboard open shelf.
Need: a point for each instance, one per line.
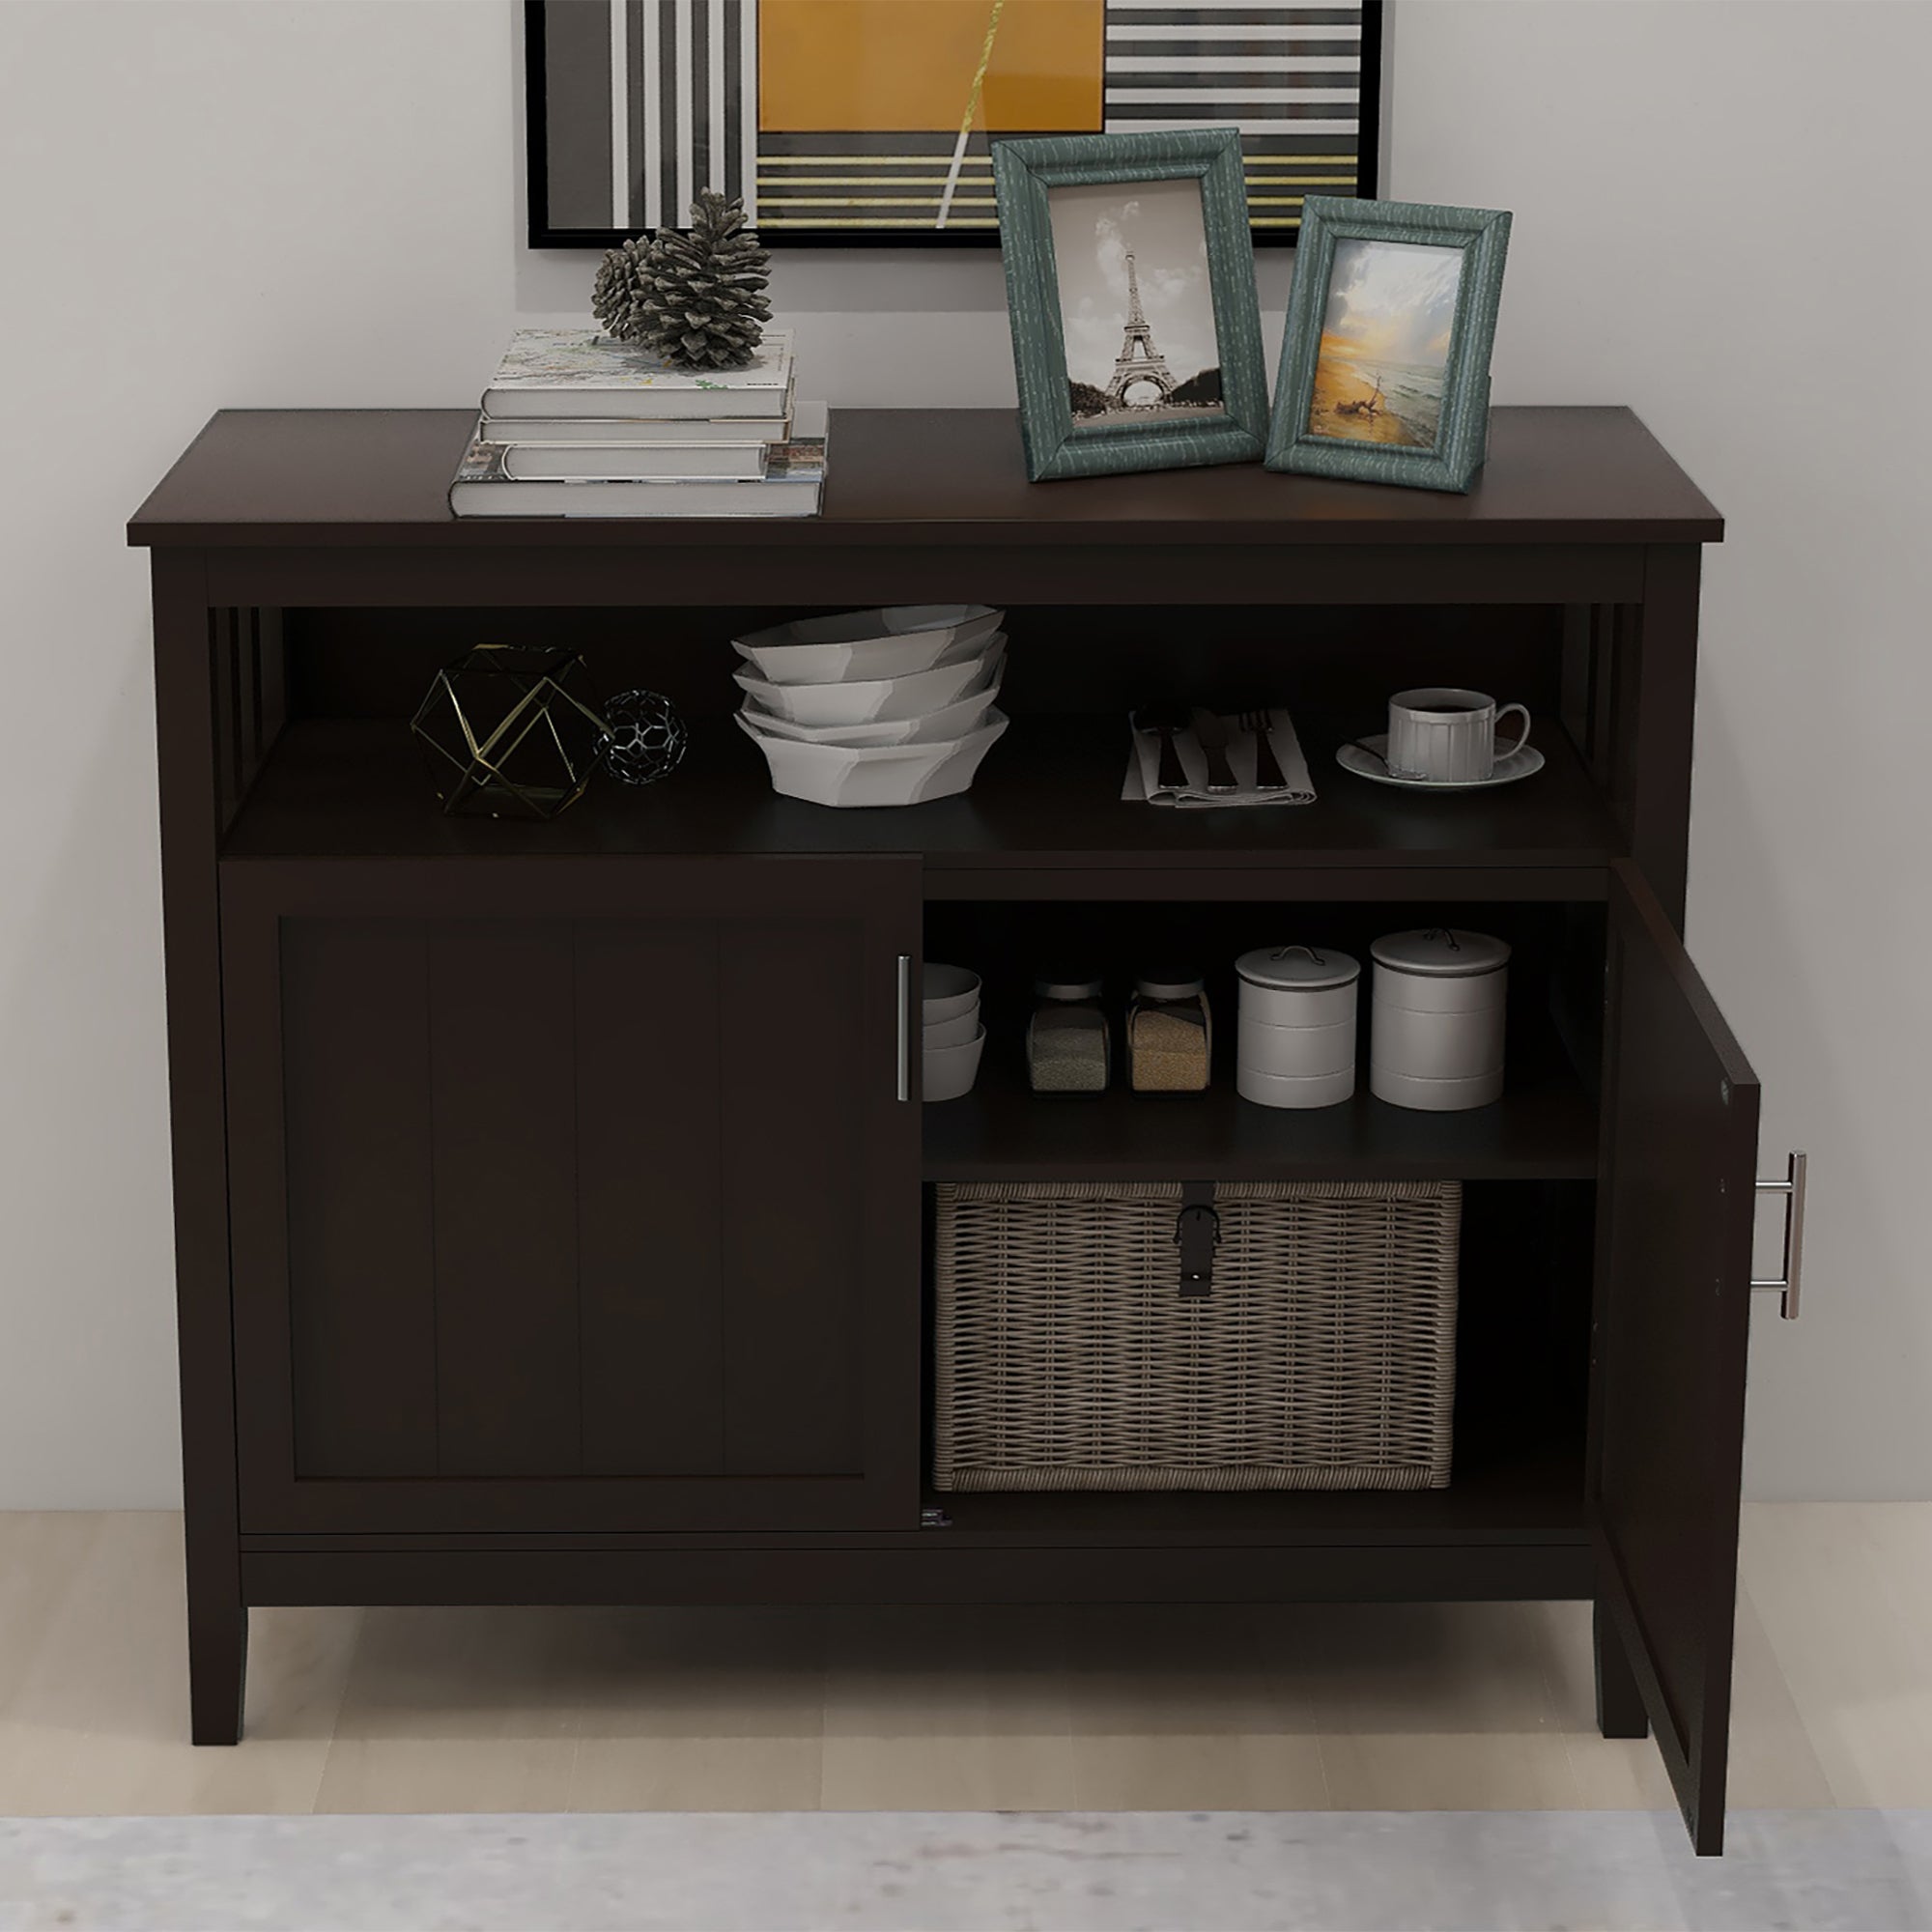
(521, 1259)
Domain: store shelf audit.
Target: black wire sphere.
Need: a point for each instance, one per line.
(647, 739)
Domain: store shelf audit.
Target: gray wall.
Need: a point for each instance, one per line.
(1719, 219)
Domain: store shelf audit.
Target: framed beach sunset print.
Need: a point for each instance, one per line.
(1385, 364)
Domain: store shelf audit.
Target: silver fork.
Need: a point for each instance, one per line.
(1269, 774)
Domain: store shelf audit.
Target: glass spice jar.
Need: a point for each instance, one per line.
(1068, 1049)
(1169, 1034)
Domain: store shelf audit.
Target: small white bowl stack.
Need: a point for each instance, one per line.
(952, 1037)
(875, 707)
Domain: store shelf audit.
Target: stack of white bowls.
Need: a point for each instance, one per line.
(953, 1038)
(876, 707)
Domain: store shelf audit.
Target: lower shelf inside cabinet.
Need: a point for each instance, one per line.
(1544, 1128)
(1520, 1413)
(1533, 1493)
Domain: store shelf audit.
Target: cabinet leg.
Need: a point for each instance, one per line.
(217, 1672)
(1620, 1711)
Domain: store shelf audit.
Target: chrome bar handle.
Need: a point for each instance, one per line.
(905, 1027)
(1792, 1187)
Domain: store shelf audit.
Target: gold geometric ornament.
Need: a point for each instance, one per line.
(511, 731)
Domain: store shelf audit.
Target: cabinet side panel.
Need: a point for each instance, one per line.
(1660, 722)
(503, 1112)
(361, 1264)
(648, 1164)
(185, 718)
(795, 1198)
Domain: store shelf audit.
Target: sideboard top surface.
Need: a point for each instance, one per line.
(379, 477)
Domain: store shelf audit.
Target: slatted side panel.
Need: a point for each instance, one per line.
(650, 1158)
(250, 667)
(795, 1206)
(223, 655)
(271, 698)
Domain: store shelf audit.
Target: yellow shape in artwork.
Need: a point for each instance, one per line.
(908, 66)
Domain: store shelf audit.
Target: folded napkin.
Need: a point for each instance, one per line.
(1143, 768)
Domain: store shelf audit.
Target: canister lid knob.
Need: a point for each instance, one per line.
(1301, 969)
(1441, 951)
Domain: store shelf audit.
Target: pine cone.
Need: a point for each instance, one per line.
(618, 298)
(704, 304)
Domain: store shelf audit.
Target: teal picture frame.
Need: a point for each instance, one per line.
(1025, 173)
(1463, 430)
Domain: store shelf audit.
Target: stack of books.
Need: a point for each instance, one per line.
(578, 425)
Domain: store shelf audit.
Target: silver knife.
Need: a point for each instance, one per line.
(1211, 735)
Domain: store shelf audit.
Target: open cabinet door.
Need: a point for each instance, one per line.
(1672, 1324)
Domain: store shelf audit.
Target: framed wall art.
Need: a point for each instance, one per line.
(1384, 371)
(855, 121)
(1130, 286)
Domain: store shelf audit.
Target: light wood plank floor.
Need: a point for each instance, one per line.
(1453, 1707)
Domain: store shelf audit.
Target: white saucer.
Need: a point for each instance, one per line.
(1353, 758)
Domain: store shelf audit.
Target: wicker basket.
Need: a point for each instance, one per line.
(1324, 1357)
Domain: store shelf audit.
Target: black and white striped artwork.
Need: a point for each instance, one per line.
(872, 120)
(1291, 78)
(647, 102)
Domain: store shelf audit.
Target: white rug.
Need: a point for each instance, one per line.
(1816, 1872)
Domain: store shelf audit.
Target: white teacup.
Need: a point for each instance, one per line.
(1448, 736)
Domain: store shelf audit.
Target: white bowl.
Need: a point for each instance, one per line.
(864, 775)
(867, 643)
(878, 774)
(947, 991)
(953, 1032)
(951, 1070)
(951, 721)
(876, 700)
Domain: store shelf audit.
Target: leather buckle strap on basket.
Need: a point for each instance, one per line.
(1197, 1234)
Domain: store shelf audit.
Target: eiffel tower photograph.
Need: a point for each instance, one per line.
(1135, 304)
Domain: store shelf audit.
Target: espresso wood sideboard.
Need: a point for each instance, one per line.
(523, 1257)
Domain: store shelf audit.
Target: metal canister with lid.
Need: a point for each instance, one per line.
(1169, 1034)
(1436, 1031)
(1296, 1041)
(1068, 1051)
